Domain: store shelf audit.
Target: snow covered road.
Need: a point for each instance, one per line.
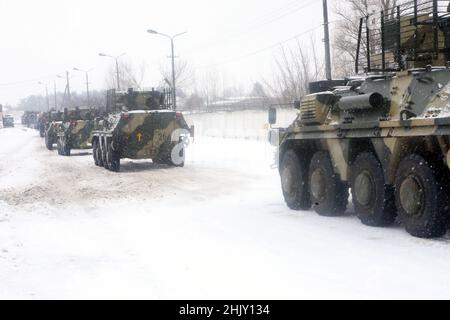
(216, 229)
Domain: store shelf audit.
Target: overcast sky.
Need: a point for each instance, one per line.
(236, 38)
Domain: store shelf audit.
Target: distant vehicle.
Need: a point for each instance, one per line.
(30, 119)
(75, 132)
(1, 116)
(43, 121)
(51, 128)
(8, 121)
(384, 136)
(140, 125)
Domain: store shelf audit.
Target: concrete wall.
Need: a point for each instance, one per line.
(250, 124)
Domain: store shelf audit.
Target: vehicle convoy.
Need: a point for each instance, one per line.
(30, 119)
(8, 121)
(140, 125)
(55, 120)
(1, 116)
(75, 132)
(43, 122)
(385, 134)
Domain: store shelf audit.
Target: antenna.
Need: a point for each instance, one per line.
(326, 40)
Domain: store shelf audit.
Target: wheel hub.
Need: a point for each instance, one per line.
(364, 188)
(318, 185)
(412, 196)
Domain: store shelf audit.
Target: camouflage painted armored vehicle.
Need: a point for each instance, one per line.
(75, 132)
(51, 128)
(30, 119)
(43, 121)
(140, 125)
(384, 135)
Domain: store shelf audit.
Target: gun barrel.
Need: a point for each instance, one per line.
(361, 102)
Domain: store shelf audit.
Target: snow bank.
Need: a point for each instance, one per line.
(238, 124)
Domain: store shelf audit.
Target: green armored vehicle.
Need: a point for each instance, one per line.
(76, 130)
(55, 120)
(384, 135)
(43, 121)
(140, 125)
(30, 119)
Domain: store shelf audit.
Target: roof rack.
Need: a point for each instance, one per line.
(414, 34)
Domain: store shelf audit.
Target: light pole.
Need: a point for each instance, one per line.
(67, 90)
(326, 40)
(117, 65)
(87, 84)
(54, 87)
(46, 95)
(172, 38)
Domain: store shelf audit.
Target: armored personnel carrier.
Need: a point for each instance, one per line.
(55, 120)
(384, 135)
(29, 119)
(140, 125)
(76, 130)
(43, 120)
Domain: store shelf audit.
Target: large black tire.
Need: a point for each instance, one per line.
(373, 200)
(294, 181)
(66, 149)
(113, 158)
(59, 147)
(103, 152)
(95, 152)
(49, 142)
(420, 197)
(329, 195)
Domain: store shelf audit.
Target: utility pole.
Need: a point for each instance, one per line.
(87, 90)
(117, 66)
(87, 84)
(117, 74)
(327, 40)
(174, 86)
(68, 89)
(46, 95)
(48, 100)
(56, 105)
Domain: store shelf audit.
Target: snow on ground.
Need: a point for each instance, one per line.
(216, 229)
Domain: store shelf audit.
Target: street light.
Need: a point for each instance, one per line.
(46, 94)
(117, 65)
(67, 88)
(174, 87)
(87, 83)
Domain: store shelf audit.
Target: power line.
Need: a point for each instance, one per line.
(262, 49)
(285, 11)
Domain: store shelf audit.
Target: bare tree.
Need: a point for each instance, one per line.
(296, 67)
(184, 74)
(210, 87)
(129, 75)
